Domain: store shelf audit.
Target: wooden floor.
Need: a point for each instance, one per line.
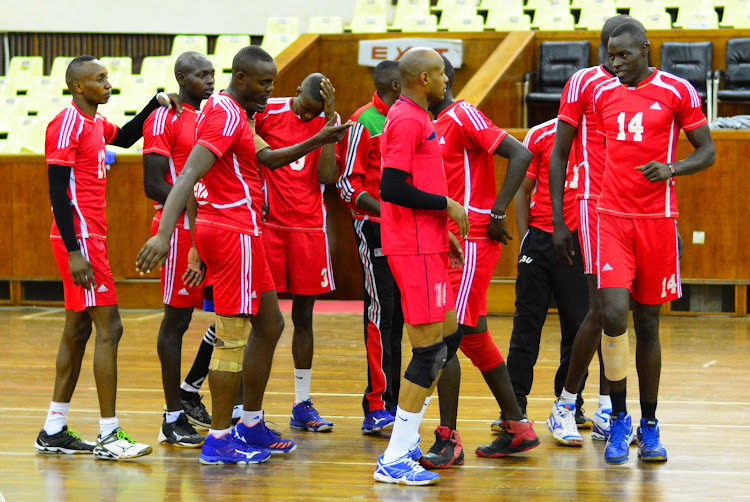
(704, 411)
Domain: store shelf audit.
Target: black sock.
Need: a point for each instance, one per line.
(618, 403)
(199, 371)
(648, 412)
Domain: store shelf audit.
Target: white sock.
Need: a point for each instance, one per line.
(302, 385)
(172, 416)
(189, 388)
(107, 426)
(605, 403)
(237, 411)
(218, 433)
(250, 418)
(421, 414)
(568, 397)
(403, 436)
(57, 416)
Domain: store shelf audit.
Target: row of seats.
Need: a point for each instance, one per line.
(689, 60)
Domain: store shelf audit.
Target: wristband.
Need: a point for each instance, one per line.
(498, 216)
(671, 169)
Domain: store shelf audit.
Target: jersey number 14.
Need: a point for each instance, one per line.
(635, 126)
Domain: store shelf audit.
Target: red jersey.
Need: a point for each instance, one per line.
(360, 153)
(410, 144)
(167, 134)
(76, 140)
(230, 195)
(468, 141)
(539, 140)
(293, 193)
(642, 124)
(577, 109)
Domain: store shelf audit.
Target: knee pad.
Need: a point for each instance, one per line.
(425, 364)
(229, 346)
(452, 342)
(615, 355)
(482, 351)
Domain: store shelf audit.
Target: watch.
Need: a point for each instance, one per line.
(671, 169)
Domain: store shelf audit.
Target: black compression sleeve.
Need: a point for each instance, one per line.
(395, 189)
(133, 130)
(59, 178)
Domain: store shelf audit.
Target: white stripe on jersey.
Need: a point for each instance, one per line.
(533, 131)
(695, 99)
(605, 86)
(343, 184)
(69, 120)
(475, 117)
(274, 101)
(74, 203)
(248, 199)
(467, 280)
(574, 91)
(452, 114)
(159, 121)
(233, 115)
(467, 180)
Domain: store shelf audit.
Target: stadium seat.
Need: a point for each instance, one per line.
(47, 107)
(641, 8)
(410, 9)
(47, 86)
(736, 14)
(697, 19)
(185, 43)
(735, 74)
(553, 21)
(21, 72)
(118, 70)
(502, 6)
(288, 26)
(691, 61)
(601, 5)
(656, 20)
(16, 106)
(500, 21)
(158, 69)
(5, 88)
(370, 8)
(222, 64)
(548, 5)
(140, 87)
(417, 24)
(593, 16)
(456, 8)
(230, 45)
(369, 24)
(275, 44)
(60, 66)
(471, 23)
(558, 61)
(28, 135)
(326, 24)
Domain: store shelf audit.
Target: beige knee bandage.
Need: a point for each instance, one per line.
(615, 355)
(231, 338)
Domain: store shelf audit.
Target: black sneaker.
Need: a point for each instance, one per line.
(582, 421)
(447, 451)
(66, 441)
(196, 411)
(180, 433)
(276, 433)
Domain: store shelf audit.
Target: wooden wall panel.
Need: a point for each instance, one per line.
(6, 208)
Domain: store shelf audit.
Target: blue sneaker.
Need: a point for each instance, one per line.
(305, 416)
(618, 443)
(260, 436)
(600, 429)
(650, 448)
(229, 450)
(404, 471)
(416, 452)
(377, 421)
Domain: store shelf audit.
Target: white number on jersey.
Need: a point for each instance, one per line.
(102, 169)
(324, 275)
(298, 164)
(440, 293)
(635, 126)
(670, 285)
(573, 184)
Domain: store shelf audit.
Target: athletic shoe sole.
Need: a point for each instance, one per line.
(57, 449)
(565, 441)
(616, 461)
(500, 455)
(386, 427)
(387, 479)
(179, 444)
(430, 465)
(301, 426)
(112, 456)
(198, 422)
(657, 458)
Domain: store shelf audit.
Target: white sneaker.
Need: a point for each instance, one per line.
(119, 446)
(562, 424)
(600, 430)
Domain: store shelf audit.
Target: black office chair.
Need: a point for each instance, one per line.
(691, 61)
(736, 74)
(558, 61)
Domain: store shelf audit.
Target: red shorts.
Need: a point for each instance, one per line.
(426, 291)
(174, 291)
(238, 268)
(300, 262)
(640, 254)
(588, 234)
(472, 281)
(76, 297)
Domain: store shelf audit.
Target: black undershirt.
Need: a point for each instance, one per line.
(395, 189)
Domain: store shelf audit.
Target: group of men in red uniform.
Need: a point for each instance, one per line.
(429, 224)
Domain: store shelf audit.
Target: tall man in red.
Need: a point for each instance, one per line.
(229, 239)
(359, 185)
(576, 132)
(168, 140)
(468, 142)
(295, 226)
(414, 212)
(74, 151)
(640, 113)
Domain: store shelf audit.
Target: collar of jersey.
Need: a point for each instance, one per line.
(188, 107)
(411, 102)
(85, 117)
(647, 80)
(379, 104)
(449, 108)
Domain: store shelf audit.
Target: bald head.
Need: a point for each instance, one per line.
(615, 22)
(310, 87)
(417, 61)
(80, 68)
(188, 62)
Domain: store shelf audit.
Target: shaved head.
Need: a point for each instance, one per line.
(189, 61)
(416, 61)
(310, 87)
(637, 33)
(79, 68)
(384, 74)
(248, 58)
(615, 22)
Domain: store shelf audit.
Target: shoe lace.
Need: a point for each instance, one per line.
(121, 434)
(439, 445)
(568, 418)
(650, 437)
(618, 431)
(73, 434)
